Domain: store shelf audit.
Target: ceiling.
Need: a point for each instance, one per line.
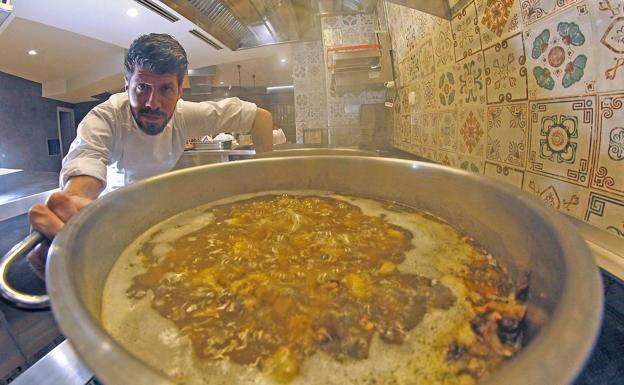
(81, 43)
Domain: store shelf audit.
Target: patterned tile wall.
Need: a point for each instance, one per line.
(528, 92)
(309, 82)
(344, 109)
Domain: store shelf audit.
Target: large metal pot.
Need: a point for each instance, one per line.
(564, 306)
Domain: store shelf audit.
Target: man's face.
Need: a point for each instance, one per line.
(153, 99)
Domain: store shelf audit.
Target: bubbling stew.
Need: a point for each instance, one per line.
(313, 288)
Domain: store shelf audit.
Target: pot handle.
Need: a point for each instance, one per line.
(23, 300)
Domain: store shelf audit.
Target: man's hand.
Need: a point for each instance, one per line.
(50, 218)
(262, 131)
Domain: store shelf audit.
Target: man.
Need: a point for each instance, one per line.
(142, 130)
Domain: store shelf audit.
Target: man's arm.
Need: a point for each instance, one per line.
(262, 131)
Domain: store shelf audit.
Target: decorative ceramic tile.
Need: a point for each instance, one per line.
(561, 133)
(472, 81)
(416, 122)
(567, 197)
(472, 129)
(428, 92)
(429, 153)
(561, 60)
(348, 29)
(471, 164)
(536, 10)
(507, 129)
(510, 175)
(505, 71)
(428, 125)
(608, 18)
(411, 66)
(447, 84)
(405, 129)
(466, 34)
(606, 213)
(498, 19)
(426, 58)
(447, 159)
(313, 137)
(443, 43)
(309, 81)
(447, 130)
(608, 172)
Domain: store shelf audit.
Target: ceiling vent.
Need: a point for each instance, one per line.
(205, 39)
(158, 9)
(241, 24)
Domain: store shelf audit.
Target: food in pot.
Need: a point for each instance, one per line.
(312, 288)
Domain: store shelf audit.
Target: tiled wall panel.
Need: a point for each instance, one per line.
(528, 92)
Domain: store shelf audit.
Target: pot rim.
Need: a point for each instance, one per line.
(561, 347)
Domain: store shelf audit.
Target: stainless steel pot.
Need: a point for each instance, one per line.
(564, 306)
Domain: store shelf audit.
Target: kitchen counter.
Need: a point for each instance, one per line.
(22, 189)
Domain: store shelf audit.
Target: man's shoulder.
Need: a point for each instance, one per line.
(118, 100)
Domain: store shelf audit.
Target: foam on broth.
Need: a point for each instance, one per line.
(439, 253)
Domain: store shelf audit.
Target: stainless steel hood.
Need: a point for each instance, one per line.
(241, 24)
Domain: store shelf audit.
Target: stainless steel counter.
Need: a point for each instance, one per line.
(20, 190)
(194, 158)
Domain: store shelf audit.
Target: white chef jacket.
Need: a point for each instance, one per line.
(109, 134)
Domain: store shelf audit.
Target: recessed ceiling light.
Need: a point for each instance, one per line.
(221, 82)
(190, 71)
(283, 60)
(132, 12)
(32, 52)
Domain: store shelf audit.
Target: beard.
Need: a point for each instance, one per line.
(148, 127)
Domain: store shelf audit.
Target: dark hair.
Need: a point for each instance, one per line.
(156, 52)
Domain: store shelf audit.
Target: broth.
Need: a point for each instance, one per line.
(312, 287)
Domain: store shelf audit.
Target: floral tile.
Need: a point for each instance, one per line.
(608, 172)
(411, 66)
(428, 94)
(567, 197)
(561, 134)
(416, 122)
(472, 80)
(507, 131)
(466, 33)
(536, 10)
(313, 136)
(447, 87)
(608, 18)
(498, 19)
(429, 153)
(505, 71)
(443, 43)
(606, 213)
(510, 175)
(415, 149)
(471, 164)
(426, 58)
(472, 129)
(447, 158)
(428, 125)
(561, 60)
(405, 129)
(447, 130)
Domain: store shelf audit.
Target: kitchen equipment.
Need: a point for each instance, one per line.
(564, 304)
(214, 145)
